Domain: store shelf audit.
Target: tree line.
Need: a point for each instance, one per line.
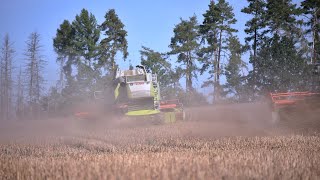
(282, 40)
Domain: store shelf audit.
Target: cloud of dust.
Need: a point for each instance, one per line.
(248, 119)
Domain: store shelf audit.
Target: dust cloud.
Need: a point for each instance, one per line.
(202, 122)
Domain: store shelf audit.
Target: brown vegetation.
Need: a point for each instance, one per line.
(221, 142)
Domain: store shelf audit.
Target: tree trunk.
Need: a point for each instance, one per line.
(217, 84)
(34, 66)
(6, 80)
(215, 61)
(190, 74)
(314, 31)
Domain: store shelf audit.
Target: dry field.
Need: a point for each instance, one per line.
(226, 142)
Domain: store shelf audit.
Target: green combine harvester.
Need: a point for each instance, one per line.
(137, 94)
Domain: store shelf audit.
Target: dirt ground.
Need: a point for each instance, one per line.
(227, 141)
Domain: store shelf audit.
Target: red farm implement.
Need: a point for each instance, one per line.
(289, 102)
(172, 109)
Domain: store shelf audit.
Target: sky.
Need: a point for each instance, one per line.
(148, 23)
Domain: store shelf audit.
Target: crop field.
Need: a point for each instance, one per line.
(225, 142)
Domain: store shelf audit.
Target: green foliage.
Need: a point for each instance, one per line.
(257, 9)
(278, 47)
(225, 17)
(87, 63)
(311, 8)
(115, 40)
(209, 35)
(77, 46)
(281, 17)
(280, 67)
(278, 56)
(63, 45)
(215, 30)
(185, 44)
(85, 43)
(156, 63)
(167, 77)
(254, 26)
(86, 37)
(234, 85)
(63, 41)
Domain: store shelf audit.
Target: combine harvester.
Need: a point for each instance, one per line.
(288, 103)
(137, 96)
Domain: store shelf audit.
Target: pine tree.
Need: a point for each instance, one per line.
(254, 27)
(34, 68)
(281, 18)
(86, 36)
(209, 35)
(158, 63)
(20, 96)
(234, 85)
(311, 8)
(115, 40)
(63, 45)
(86, 40)
(277, 61)
(280, 65)
(77, 47)
(215, 30)
(185, 44)
(7, 53)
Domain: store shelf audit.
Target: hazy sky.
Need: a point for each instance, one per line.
(149, 23)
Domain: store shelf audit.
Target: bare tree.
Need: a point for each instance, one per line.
(7, 53)
(33, 71)
(20, 97)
